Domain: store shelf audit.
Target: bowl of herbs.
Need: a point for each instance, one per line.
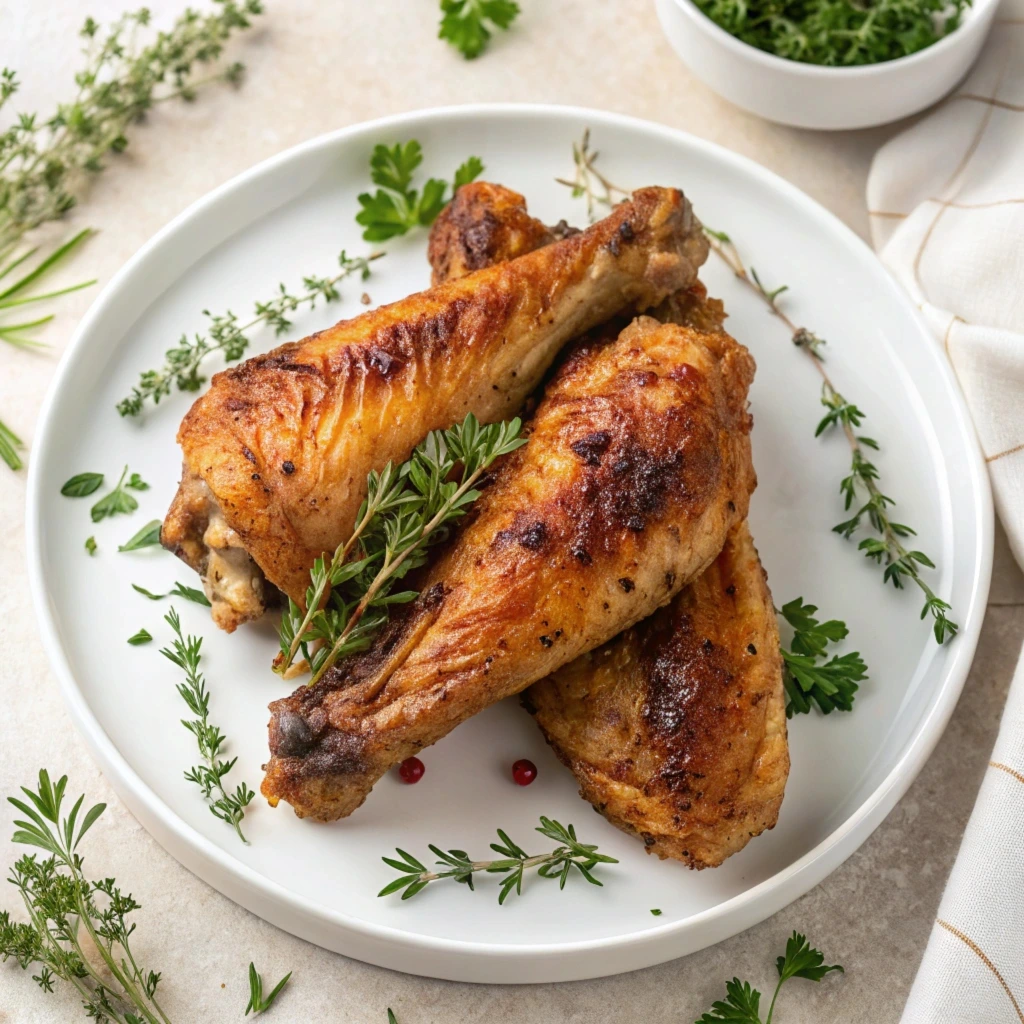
(829, 64)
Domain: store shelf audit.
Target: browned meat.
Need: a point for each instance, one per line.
(277, 451)
(637, 466)
(676, 729)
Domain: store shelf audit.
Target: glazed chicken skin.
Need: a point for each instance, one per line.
(277, 452)
(676, 728)
(636, 468)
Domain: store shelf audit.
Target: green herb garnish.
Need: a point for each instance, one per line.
(147, 537)
(178, 590)
(513, 863)
(837, 33)
(742, 1004)
(225, 334)
(142, 637)
(407, 509)
(90, 545)
(81, 485)
(467, 24)
(118, 501)
(208, 776)
(46, 162)
(78, 930)
(396, 207)
(806, 674)
(257, 1001)
(10, 445)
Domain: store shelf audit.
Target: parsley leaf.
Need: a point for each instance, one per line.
(742, 1003)
(117, 501)
(396, 206)
(464, 23)
(136, 483)
(807, 677)
(81, 485)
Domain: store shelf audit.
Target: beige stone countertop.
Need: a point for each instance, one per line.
(317, 65)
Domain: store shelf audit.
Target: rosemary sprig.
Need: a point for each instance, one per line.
(258, 1003)
(513, 863)
(208, 776)
(407, 509)
(68, 912)
(806, 675)
(10, 445)
(226, 334)
(861, 486)
(45, 163)
(742, 1003)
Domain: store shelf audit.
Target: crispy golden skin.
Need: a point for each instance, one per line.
(637, 466)
(276, 453)
(676, 728)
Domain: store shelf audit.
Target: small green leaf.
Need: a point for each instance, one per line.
(656, 912)
(148, 536)
(136, 483)
(142, 637)
(190, 594)
(90, 545)
(81, 485)
(147, 593)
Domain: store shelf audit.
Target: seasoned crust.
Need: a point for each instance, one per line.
(284, 441)
(676, 729)
(637, 466)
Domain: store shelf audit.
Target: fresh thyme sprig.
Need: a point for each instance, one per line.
(742, 1003)
(407, 509)
(71, 918)
(806, 675)
(514, 862)
(467, 24)
(396, 207)
(208, 776)
(45, 163)
(225, 334)
(861, 487)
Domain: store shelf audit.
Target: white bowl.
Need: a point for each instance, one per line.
(810, 96)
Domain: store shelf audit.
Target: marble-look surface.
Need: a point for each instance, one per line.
(316, 66)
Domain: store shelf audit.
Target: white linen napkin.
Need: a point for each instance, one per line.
(946, 199)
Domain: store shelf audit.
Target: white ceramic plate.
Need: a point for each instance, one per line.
(289, 217)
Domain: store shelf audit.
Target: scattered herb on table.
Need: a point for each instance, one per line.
(19, 293)
(118, 501)
(46, 162)
(10, 445)
(147, 537)
(467, 24)
(225, 334)
(837, 33)
(258, 1003)
(407, 509)
(656, 912)
(185, 652)
(742, 1003)
(806, 674)
(514, 862)
(90, 545)
(142, 637)
(861, 487)
(73, 920)
(396, 207)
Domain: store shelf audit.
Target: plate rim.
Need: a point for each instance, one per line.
(469, 960)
